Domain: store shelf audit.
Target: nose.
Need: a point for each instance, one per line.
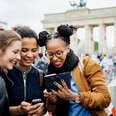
(54, 57)
(30, 54)
(18, 57)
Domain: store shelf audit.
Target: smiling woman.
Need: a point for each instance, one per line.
(10, 46)
(26, 78)
(87, 94)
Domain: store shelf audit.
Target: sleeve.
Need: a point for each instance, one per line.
(98, 97)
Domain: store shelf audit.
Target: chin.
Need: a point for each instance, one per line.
(10, 67)
(28, 65)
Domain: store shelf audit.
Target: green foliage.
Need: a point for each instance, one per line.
(96, 45)
(78, 41)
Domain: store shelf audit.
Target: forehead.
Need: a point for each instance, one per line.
(55, 44)
(29, 42)
(14, 46)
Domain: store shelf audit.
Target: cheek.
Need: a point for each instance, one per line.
(36, 54)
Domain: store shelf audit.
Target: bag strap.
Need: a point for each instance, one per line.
(41, 77)
(81, 65)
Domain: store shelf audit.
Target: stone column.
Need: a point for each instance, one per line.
(89, 43)
(74, 42)
(115, 35)
(102, 39)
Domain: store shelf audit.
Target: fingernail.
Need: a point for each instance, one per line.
(62, 79)
(51, 91)
(54, 83)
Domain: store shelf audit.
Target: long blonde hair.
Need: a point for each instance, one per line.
(7, 37)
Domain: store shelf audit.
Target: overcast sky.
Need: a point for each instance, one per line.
(31, 12)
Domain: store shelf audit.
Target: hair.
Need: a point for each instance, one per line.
(63, 31)
(25, 31)
(7, 37)
(40, 55)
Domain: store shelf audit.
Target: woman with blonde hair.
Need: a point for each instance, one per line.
(10, 46)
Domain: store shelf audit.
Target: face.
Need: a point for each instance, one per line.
(11, 55)
(57, 51)
(29, 52)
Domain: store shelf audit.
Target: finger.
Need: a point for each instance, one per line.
(55, 93)
(39, 104)
(64, 84)
(25, 103)
(39, 107)
(58, 85)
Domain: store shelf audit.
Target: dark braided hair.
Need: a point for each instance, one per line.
(63, 31)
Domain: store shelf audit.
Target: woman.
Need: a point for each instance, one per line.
(88, 94)
(26, 78)
(10, 46)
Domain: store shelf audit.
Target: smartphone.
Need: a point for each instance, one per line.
(51, 78)
(35, 101)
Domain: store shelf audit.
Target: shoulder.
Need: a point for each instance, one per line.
(2, 82)
(88, 62)
(2, 85)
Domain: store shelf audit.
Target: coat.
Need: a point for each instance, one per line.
(94, 94)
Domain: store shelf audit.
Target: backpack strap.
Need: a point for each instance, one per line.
(81, 65)
(41, 77)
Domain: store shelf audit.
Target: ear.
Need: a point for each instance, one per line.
(68, 48)
(0, 52)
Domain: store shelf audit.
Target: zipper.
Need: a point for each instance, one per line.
(24, 79)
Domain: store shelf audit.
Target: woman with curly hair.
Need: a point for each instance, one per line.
(88, 94)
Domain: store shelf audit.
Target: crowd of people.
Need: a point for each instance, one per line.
(22, 75)
(108, 64)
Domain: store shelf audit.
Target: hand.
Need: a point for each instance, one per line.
(24, 107)
(51, 96)
(64, 92)
(37, 110)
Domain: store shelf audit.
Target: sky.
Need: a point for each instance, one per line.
(31, 12)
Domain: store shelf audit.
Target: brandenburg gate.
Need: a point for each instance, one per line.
(87, 19)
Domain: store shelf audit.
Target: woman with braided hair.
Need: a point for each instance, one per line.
(88, 94)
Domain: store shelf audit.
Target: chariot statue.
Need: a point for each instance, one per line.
(78, 3)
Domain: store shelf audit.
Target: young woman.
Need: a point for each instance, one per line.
(88, 94)
(10, 47)
(26, 78)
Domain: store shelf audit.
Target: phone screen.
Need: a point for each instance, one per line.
(35, 101)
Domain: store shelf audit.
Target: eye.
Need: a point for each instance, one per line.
(51, 54)
(59, 52)
(24, 50)
(34, 50)
(16, 51)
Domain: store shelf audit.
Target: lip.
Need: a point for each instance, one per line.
(57, 64)
(28, 61)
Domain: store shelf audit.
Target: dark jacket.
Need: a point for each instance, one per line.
(24, 92)
(18, 93)
(4, 107)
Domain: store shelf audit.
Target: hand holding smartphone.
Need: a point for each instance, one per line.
(50, 79)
